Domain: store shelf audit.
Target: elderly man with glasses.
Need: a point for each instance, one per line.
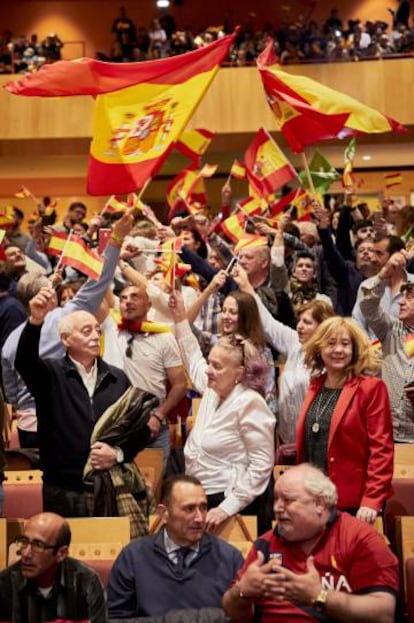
(397, 340)
(46, 584)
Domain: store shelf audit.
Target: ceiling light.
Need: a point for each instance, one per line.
(366, 157)
(163, 4)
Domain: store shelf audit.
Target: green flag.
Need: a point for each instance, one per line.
(322, 172)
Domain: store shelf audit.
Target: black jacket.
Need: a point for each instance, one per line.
(66, 415)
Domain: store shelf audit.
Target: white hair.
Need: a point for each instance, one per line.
(316, 483)
(65, 325)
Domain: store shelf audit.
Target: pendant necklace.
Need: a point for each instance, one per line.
(321, 411)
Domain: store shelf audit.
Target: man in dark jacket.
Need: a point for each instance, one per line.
(71, 394)
(180, 566)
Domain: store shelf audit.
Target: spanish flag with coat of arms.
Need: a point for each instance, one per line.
(140, 109)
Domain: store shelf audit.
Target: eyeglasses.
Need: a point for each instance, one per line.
(128, 350)
(36, 544)
(407, 289)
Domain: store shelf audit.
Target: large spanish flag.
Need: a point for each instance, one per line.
(266, 165)
(307, 111)
(140, 109)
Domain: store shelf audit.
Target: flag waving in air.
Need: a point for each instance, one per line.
(140, 109)
(307, 111)
(267, 167)
(194, 143)
(323, 174)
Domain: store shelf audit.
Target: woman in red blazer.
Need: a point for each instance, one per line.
(345, 424)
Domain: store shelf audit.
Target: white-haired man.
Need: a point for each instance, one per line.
(318, 564)
(71, 394)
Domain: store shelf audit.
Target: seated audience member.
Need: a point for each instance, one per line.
(317, 565)
(231, 447)
(395, 336)
(47, 585)
(345, 424)
(179, 567)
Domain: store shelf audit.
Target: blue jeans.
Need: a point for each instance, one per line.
(163, 442)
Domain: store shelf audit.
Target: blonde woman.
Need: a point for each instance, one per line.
(345, 425)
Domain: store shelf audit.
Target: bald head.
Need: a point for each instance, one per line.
(54, 525)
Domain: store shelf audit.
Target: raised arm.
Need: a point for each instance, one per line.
(190, 350)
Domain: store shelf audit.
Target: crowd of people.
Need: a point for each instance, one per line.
(303, 40)
(274, 333)
(19, 55)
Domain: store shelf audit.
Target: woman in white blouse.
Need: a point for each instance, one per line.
(294, 380)
(231, 446)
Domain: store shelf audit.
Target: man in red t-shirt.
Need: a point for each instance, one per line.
(317, 565)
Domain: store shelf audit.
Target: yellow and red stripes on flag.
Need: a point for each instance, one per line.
(186, 188)
(194, 143)
(6, 217)
(393, 179)
(279, 206)
(307, 111)
(57, 243)
(77, 254)
(233, 226)
(114, 206)
(238, 170)
(250, 241)
(267, 167)
(252, 206)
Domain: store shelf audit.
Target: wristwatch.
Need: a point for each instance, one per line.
(320, 602)
(119, 455)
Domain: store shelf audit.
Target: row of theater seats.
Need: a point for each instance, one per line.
(97, 541)
(23, 499)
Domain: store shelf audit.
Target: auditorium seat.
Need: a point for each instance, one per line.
(401, 503)
(22, 494)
